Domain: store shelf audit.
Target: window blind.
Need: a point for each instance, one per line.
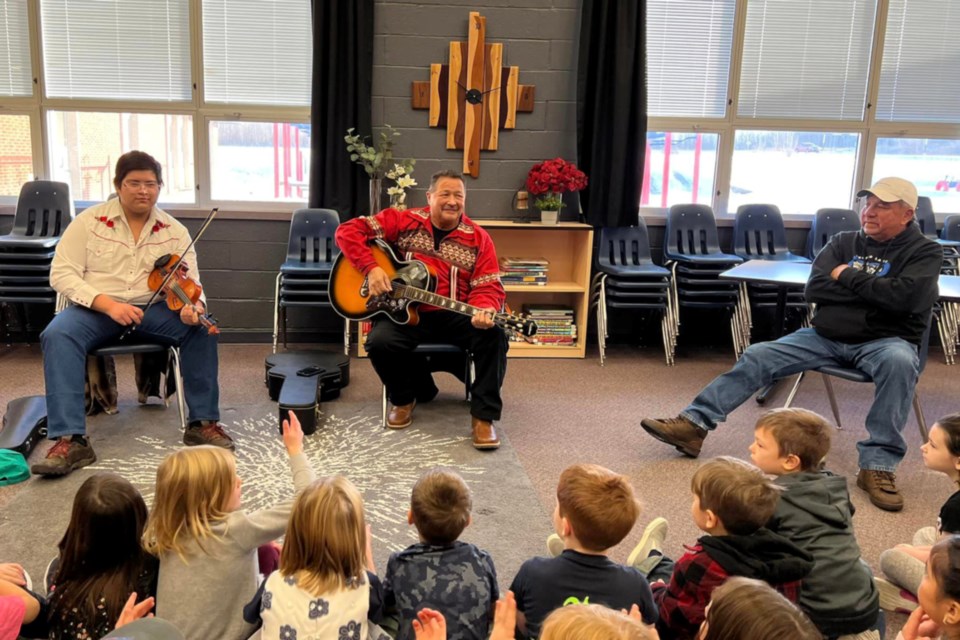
(15, 71)
(116, 49)
(257, 51)
(688, 57)
(806, 59)
(920, 70)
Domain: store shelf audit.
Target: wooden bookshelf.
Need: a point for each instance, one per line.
(567, 246)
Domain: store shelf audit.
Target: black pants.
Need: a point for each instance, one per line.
(407, 377)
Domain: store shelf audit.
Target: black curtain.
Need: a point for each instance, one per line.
(612, 109)
(342, 81)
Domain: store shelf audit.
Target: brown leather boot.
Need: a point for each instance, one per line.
(686, 436)
(484, 435)
(401, 416)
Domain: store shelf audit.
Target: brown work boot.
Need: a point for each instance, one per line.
(686, 436)
(66, 455)
(401, 416)
(207, 432)
(484, 434)
(882, 488)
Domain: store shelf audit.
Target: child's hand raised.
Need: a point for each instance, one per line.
(292, 435)
(431, 625)
(133, 610)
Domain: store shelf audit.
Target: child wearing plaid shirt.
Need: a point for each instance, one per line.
(732, 500)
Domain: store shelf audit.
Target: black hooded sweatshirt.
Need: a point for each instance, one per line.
(888, 291)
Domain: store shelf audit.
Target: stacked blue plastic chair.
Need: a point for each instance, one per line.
(691, 250)
(826, 224)
(627, 279)
(759, 234)
(928, 224)
(304, 276)
(44, 209)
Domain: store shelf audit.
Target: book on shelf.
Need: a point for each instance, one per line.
(524, 262)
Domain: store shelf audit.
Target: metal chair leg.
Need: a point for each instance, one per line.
(794, 389)
(833, 399)
(178, 382)
(276, 309)
(346, 337)
(921, 421)
(383, 407)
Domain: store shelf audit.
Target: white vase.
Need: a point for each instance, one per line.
(548, 217)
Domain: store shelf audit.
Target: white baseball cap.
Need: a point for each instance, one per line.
(892, 190)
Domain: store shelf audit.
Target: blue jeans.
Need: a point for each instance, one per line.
(77, 330)
(893, 363)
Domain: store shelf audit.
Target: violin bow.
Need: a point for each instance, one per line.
(176, 266)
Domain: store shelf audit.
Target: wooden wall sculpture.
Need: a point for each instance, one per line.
(473, 95)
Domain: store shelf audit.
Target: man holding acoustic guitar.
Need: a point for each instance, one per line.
(466, 301)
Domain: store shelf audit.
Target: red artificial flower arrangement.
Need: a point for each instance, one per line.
(553, 177)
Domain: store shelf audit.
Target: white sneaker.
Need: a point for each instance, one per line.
(653, 537)
(894, 598)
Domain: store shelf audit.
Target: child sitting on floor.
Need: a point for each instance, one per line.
(903, 566)
(747, 609)
(596, 509)
(440, 572)
(732, 500)
(207, 546)
(816, 514)
(325, 587)
(938, 615)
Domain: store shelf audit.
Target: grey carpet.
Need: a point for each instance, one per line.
(556, 413)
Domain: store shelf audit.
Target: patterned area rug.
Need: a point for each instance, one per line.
(382, 463)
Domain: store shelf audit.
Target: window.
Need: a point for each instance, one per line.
(116, 49)
(799, 171)
(688, 57)
(16, 157)
(15, 74)
(679, 168)
(257, 52)
(921, 63)
(931, 164)
(806, 59)
(84, 147)
(259, 160)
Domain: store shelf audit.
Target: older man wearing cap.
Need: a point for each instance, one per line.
(874, 290)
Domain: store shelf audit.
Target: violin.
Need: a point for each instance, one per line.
(181, 290)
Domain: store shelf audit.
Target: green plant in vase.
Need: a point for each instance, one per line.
(376, 159)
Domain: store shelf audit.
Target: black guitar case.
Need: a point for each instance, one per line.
(24, 424)
(301, 380)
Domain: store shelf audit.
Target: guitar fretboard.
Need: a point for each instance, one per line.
(434, 299)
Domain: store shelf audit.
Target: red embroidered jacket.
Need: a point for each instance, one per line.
(466, 265)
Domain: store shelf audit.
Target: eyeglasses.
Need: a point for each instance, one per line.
(137, 185)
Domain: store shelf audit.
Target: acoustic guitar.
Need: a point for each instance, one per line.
(413, 284)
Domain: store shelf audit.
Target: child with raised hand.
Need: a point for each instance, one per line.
(596, 509)
(903, 566)
(815, 513)
(747, 609)
(325, 586)
(207, 546)
(441, 572)
(101, 561)
(938, 615)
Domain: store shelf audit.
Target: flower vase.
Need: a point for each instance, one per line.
(376, 190)
(548, 216)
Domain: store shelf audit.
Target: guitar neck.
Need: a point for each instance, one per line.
(436, 300)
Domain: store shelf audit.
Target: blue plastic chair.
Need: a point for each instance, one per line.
(626, 278)
(691, 236)
(759, 234)
(304, 275)
(826, 224)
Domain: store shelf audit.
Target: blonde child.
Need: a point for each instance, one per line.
(747, 609)
(207, 546)
(815, 513)
(325, 587)
(903, 566)
(101, 561)
(938, 615)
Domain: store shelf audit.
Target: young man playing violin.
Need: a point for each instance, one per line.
(101, 266)
(465, 263)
